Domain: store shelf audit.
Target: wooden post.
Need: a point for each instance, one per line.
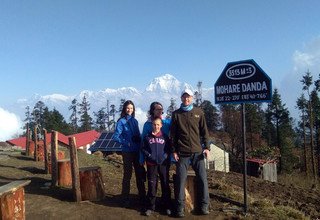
(91, 184)
(74, 169)
(45, 152)
(28, 140)
(36, 153)
(54, 156)
(190, 191)
(12, 203)
(64, 173)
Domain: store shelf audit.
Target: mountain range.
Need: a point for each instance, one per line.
(161, 89)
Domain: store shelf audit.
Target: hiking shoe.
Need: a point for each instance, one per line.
(126, 204)
(148, 212)
(204, 211)
(180, 214)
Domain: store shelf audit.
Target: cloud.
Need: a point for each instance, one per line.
(10, 125)
(305, 59)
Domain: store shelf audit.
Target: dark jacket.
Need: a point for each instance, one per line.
(188, 132)
(155, 148)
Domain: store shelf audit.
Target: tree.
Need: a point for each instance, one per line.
(112, 113)
(74, 115)
(28, 119)
(37, 113)
(254, 123)
(278, 116)
(100, 122)
(211, 115)
(54, 121)
(198, 95)
(302, 105)
(85, 118)
(122, 101)
(172, 107)
(306, 86)
(231, 124)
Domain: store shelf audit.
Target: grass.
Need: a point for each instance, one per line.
(299, 180)
(267, 208)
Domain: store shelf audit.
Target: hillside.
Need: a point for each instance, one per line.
(266, 200)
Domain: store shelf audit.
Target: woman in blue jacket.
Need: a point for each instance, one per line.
(156, 111)
(128, 135)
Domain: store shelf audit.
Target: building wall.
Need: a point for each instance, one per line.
(218, 160)
(270, 172)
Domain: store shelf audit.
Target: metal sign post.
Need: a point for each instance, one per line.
(245, 203)
(239, 83)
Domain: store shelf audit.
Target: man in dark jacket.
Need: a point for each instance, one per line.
(189, 136)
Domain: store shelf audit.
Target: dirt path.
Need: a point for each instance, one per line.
(43, 202)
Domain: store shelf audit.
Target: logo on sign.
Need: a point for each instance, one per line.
(241, 71)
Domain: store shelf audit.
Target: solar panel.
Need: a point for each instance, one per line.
(105, 143)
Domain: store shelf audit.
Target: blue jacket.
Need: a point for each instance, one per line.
(155, 149)
(126, 128)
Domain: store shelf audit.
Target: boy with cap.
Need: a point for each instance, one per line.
(189, 137)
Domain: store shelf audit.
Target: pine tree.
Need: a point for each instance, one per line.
(37, 113)
(231, 124)
(198, 95)
(112, 113)
(211, 115)
(307, 82)
(100, 122)
(54, 121)
(172, 107)
(254, 123)
(74, 115)
(279, 117)
(302, 105)
(85, 118)
(122, 101)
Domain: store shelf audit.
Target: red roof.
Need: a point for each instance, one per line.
(82, 139)
(21, 142)
(260, 161)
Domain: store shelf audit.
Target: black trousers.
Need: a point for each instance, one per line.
(131, 159)
(153, 173)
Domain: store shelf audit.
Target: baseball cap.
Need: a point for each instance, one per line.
(188, 91)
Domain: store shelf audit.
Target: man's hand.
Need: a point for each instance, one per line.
(206, 153)
(175, 156)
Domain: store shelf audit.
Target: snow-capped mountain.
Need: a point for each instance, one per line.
(166, 84)
(161, 89)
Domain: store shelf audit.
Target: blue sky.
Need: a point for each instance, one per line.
(66, 46)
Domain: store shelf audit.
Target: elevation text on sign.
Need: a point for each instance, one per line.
(243, 82)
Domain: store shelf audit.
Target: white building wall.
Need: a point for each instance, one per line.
(219, 157)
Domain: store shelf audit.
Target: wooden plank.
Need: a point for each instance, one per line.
(64, 173)
(10, 187)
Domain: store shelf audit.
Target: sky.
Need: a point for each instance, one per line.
(65, 47)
